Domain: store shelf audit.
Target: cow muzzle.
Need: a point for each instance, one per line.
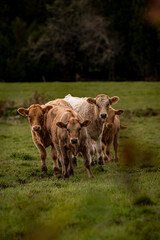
(36, 128)
(74, 140)
(103, 115)
(109, 125)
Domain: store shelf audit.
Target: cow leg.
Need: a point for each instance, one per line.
(91, 151)
(43, 155)
(105, 157)
(116, 145)
(74, 161)
(65, 162)
(93, 163)
(59, 155)
(87, 162)
(99, 151)
(54, 158)
(59, 163)
(70, 165)
(108, 152)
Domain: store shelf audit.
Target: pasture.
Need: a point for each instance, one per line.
(123, 199)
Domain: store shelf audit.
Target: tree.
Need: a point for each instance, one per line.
(75, 36)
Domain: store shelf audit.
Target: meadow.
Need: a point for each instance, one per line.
(123, 199)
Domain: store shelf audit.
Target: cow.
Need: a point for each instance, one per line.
(111, 134)
(61, 102)
(69, 136)
(37, 117)
(96, 110)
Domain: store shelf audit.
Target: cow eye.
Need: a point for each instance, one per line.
(97, 105)
(107, 105)
(68, 130)
(29, 117)
(79, 129)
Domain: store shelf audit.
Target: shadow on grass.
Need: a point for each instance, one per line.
(22, 156)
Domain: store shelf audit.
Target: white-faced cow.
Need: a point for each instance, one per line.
(96, 110)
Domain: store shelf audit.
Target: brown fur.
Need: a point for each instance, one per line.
(58, 102)
(37, 117)
(111, 134)
(65, 126)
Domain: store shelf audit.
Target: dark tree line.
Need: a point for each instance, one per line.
(48, 40)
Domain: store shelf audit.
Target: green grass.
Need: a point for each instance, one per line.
(137, 95)
(121, 202)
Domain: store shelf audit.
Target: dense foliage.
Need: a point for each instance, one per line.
(48, 40)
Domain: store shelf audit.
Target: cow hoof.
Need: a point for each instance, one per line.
(116, 159)
(74, 161)
(56, 171)
(105, 159)
(91, 176)
(106, 162)
(93, 163)
(59, 163)
(44, 169)
(100, 161)
(71, 172)
(65, 175)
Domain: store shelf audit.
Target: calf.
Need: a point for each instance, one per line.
(69, 136)
(96, 110)
(111, 134)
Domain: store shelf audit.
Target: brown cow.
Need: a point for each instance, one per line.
(96, 110)
(111, 134)
(37, 116)
(53, 103)
(69, 136)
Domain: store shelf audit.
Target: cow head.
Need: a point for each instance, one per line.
(111, 116)
(35, 115)
(73, 127)
(102, 103)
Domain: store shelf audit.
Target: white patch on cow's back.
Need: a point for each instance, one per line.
(75, 102)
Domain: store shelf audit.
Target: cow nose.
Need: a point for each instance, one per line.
(36, 128)
(110, 125)
(74, 140)
(103, 115)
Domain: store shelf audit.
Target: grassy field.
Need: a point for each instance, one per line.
(121, 202)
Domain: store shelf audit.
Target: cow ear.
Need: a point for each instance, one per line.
(119, 112)
(23, 111)
(91, 100)
(85, 123)
(113, 100)
(47, 108)
(61, 125)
